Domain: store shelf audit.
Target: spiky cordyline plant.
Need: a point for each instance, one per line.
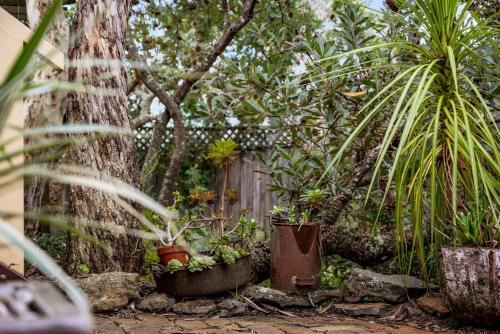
(447, 157)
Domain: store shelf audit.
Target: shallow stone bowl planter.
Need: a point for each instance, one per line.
(471, 284)
(221, 278)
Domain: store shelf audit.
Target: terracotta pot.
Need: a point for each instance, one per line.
(222, 277)
(471, 284)
(168, 253)
(295, 257)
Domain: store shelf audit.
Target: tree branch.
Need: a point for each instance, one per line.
(171, 107)
(142, 120)
(133, 85)
(227, 36)
(172, 103)
(227, 17)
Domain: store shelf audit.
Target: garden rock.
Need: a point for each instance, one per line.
(359, 310)
(288, 299)
(369, 286)
(320, 296)
(260, 260)
(433, 305)
(195, 307)
(156, 302)
(231, 308)
(276, 297)
(146, 287)
(110, 291)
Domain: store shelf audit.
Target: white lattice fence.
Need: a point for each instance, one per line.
(248, 138)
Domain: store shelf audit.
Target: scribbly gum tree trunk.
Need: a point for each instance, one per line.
(42, 110)
(98, 33)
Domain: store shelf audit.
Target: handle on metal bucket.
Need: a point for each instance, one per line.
(303, 281)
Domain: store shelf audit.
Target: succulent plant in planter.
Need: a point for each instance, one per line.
(174, 265)
(220, 259)
(200, 263)
(169, 248)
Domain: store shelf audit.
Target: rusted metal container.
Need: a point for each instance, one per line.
(471, 284)
(295, 257)
(221, 278)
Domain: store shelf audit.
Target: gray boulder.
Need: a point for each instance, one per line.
(276, 297)
(360, 310)
(369, 286)
(156, 302)
(288, 299)
(195, 307)
(110, 291)
(231, 308)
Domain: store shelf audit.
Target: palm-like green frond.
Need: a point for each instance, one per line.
(446, 158)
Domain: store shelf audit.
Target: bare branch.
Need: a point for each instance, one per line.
(144, 74)
(171, 108)
(133, 85)
(142, 120)
(145, 113)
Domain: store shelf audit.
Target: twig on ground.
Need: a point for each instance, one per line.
(255, 306)
(310, 300)
(326, 308)
(271, 308)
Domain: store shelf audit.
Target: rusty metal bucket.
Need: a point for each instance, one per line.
(295, 257)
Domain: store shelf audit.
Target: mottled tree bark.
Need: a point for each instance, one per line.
(471, 284)
(42, 110)
(98, 33)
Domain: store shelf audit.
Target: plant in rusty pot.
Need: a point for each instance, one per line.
(295, 244)
(220, 260)
(221, 263)
(169, 249)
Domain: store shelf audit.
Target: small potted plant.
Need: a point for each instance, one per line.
(169, 250)
(295, 244)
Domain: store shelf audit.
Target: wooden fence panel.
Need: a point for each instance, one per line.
(252, 187)
(243, 177)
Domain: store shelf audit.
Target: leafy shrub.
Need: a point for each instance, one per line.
(477, 229)
(335, 272)
(150, 257)
(54, 245)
